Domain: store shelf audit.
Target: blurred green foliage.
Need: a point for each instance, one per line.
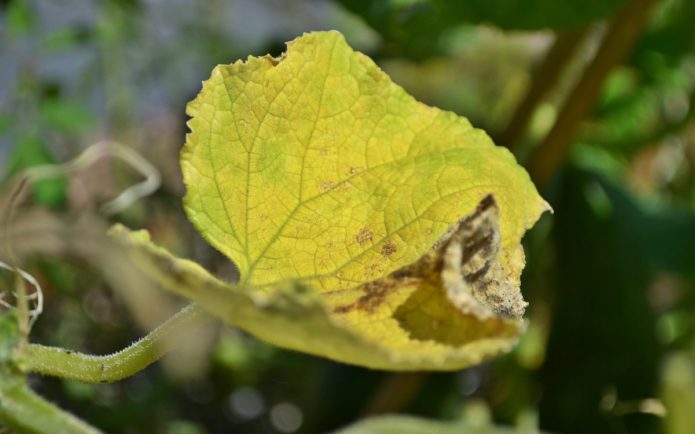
(29, 152)
(418, 28)
(474, 420)
(610, 276)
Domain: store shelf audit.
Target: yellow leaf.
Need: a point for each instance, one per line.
(294, 316)
(315, 171)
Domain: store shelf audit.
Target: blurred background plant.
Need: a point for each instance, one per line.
(594, 97)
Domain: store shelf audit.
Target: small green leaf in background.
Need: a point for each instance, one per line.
(678, 392)
(19, 17)
(606, 302)
(9, 335)
(475, 420)
(5, 122)
(65, 39)
(418, 28)
(65, 116)
(31, 151)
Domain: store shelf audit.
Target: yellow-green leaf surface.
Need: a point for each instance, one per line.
(315, 168)
(294, 316)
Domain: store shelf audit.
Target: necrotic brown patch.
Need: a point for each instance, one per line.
(364, 236)
(375, 294)
(325, 186)
(388, 249)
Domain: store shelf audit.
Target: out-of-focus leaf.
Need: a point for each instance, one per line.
(652, 96)
(416, 425)
(19, 17)
(66, 116)
(184, 427)
(316, 168)
(8, 339)
(670, 37)
(536, 14)
(417, 28)
(5, 122)
(29, 152)
(642, 112)
(678, 393)
(65, 39)
(626, 112)
(609, 247)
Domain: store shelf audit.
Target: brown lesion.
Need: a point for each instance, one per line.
(325, 186)
(275, 61)
(479, 238)
(388, 249)
(372, 268)
(364, 236)
(463, 266)
(483, 275)
(375, 293)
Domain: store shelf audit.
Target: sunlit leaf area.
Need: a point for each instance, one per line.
(353, 217)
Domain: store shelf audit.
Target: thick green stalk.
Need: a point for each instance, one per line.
(23, 411)
(86, 368)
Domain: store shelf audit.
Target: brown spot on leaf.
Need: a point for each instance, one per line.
(364, 236)
(325, 186)
(388, 249)
(374, 269)
(375, 294)
(464, 263)
(276, 60)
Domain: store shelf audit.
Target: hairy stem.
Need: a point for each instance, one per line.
(86, 368)
(24, 411)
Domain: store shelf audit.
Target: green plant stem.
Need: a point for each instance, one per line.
(22, 311)
(86, 368)
(18, 286)
(24, 411)
(622, 33)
